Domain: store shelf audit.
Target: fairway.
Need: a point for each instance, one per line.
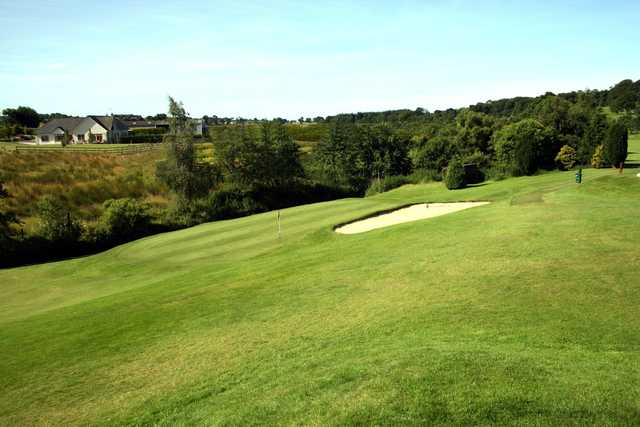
(523, 311)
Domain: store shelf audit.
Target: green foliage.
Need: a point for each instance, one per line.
(257, 156)
(524, 147)
(307, 131)
(566, 157)
(474, 132)
(56, 222)
(624, 96)
(22, 116)
(597, 160)
(354, 154)
(125, 218)
(616, 144)
(387, 183)
(454, 178)
(432, 153)
(181, 171)
(592, 137)
(7, 217)
(66, 139)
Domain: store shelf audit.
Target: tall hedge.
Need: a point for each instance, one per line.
(616, 144)
(454, 179)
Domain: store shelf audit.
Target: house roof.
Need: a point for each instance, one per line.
(140, 123)
(110, 122)
(66, 124)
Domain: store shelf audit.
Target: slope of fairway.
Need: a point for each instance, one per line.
(521, 311)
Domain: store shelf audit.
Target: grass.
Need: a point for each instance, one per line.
(524, 311)
(85, 181)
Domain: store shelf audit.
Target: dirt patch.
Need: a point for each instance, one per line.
(407, 214)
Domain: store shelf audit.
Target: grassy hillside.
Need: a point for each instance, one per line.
(85, 181)
(521, 311)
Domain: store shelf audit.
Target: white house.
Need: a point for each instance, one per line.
(98, 129)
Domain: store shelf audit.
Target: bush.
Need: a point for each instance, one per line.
(597, 160)
(387, 183)
(124, 219)
(616, 144)
(56, 222)
(454, 178)
(566, 157)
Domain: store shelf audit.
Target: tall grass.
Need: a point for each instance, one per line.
(84, 181)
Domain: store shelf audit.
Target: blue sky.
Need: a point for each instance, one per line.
(290, 59)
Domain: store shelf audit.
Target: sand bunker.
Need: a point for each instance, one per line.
(411, 213)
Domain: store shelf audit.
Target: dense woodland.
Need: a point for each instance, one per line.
(250, 166)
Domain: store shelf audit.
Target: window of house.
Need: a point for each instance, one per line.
(80, 137)
(59, 138)
(99, 138)
(44, 138)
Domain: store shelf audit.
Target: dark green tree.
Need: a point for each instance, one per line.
(7, 218)
(22, 116)
(593, 136)
(623, 96)
(526, 146)
(454, 178)
(616, 145)
(262, 155)
(125, 218)
(56, 221)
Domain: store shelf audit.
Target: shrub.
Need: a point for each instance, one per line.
(616, 144)
(597, 160)
(124, 219)
(387, 183)
(56, 222)
(566, 157)
(454, 178)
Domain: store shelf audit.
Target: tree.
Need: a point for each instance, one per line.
(474, 132)
(258, 156)
(7, 218)
(432, 153)
(525, 146)
(623, 96)
(66, 138)
(616, 145)
(56, 222)
(597, 160)
(124, 218)
(181, 171)
(593, 137)
(566, 157)
(454, 178)
(23, 116)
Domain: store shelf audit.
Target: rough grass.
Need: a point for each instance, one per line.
(522, 313)
(84, 181)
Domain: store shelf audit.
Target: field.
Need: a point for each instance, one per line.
(84, 180)
(523, 311)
